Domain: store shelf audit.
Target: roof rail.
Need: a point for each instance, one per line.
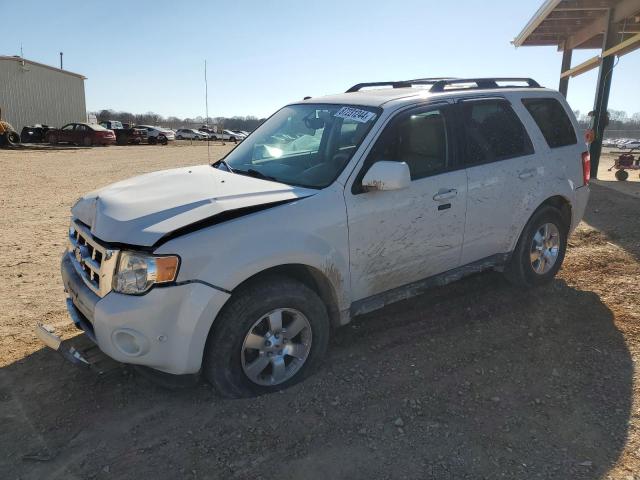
(481, 83)
(398, 84)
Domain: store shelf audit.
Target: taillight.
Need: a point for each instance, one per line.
(586, 168)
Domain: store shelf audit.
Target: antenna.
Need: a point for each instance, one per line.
(61, 61)
(206, 108)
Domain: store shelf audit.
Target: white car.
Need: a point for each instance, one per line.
(190, 134)
(631, 144)
(228, 135)
(158, 134)
(334, 207)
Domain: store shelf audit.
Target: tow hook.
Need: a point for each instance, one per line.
(46, 334)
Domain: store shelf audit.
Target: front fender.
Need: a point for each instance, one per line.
(311, 232)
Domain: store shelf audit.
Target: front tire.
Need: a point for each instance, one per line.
(152, 140)
(540, 250)
(269, 336)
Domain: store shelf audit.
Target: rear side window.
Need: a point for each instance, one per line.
(493, 132)
(552, 120)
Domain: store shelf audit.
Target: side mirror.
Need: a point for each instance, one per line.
(386, 175)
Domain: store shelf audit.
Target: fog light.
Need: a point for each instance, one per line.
(130, 342)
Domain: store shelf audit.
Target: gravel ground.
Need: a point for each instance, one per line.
(473, 380)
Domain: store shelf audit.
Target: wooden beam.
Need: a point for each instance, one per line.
(623, 47)
(570, 5)
(623, 9)
(585, 66)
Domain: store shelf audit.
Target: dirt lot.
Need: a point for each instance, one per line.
(475, 380)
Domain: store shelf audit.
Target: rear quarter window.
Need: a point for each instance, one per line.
(552, 120)
(493, 132)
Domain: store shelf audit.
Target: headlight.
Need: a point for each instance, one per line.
(137, 272)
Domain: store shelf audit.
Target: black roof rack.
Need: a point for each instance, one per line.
(439, 84)
(398, 83)
(481, 83)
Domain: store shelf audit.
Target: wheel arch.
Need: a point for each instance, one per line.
(559, 202)
(312, 277)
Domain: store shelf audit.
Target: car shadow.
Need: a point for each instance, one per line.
(474, 380)
(616, 215)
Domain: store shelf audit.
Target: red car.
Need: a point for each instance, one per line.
(81, 134)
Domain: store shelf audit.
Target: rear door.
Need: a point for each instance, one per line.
(398, 237)
(503, 172)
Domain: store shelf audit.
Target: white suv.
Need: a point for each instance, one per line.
(333, 207)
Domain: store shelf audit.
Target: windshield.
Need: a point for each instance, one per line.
(306, 145)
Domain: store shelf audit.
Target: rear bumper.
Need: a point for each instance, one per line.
(165, 329)
(580, 200)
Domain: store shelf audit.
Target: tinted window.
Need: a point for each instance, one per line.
(418, 138)
(493, 132)
(552, 120)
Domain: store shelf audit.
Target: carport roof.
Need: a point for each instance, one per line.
(571, 24)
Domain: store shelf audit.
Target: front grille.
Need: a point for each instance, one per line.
(94, 262)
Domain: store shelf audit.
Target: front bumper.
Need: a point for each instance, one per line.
(165, 329)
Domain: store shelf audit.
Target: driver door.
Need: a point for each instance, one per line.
(401, 236)
(66, 133)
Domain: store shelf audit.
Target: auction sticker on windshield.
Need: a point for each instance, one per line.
(356, 114)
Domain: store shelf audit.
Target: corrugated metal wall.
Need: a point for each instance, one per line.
(35, 94)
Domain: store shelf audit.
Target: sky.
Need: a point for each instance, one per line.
(149, 55)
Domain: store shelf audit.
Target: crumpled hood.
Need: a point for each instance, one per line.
(142, 210)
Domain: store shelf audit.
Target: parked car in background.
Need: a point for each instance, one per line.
(125, 135)
(81, 134)
(228, 135)
(158, 134)
(190, 134)
(207, 130)
(241, 132)
(34, 133)
(631, 144)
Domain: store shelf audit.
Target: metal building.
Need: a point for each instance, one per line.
(31, 92)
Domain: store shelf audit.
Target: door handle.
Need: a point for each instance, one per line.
(526, 174)
(445, 195)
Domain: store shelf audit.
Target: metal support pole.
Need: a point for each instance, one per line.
(566, 65)
(600, 116)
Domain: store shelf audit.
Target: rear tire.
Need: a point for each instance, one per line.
(153, 140)
(536, 258)
(13, 138)
(622, 175)
(253, 313)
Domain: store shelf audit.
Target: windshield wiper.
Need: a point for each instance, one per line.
(222, 161)
(256, 174)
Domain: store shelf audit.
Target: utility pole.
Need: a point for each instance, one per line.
(206, 108)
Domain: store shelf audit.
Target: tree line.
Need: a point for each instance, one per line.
(248, 123)
(621, 124)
